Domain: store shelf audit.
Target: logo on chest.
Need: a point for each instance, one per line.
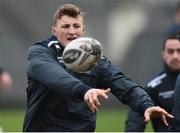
(166, 94)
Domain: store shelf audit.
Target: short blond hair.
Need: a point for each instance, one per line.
(69, 10)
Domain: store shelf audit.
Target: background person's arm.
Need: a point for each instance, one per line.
(135, 122)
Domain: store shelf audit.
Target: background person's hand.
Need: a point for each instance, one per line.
(154, 112)
(91, 98)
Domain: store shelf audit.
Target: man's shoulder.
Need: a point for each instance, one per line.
(48, 42)
(157, 80)
(44, 44)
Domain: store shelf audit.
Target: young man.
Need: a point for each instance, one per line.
(5, 80)
(61, 100)
(5, 84)
(176, 109)
(161, 88)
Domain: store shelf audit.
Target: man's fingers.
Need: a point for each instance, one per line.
(155, 112)
(166, 114)
(91, 98)
(91, 104)
(170, 116)
(146, 118)
(105, 92)
(164, 120)
(105, 96)
(96, 101)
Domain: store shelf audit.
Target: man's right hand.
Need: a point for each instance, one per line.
(91, 98)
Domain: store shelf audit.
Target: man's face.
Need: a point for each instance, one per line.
(68, 28)
(171, 54)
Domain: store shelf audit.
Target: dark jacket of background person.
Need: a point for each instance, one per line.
(51, 84)
(175, 127)
(161, 90)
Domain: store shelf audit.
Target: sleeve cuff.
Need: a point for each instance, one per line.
(145, 106)
(80, 91)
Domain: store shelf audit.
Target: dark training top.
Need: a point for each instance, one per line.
(55, 95)
(175, 125)
(161, 90)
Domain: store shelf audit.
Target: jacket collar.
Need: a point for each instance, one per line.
(170, 72)
(56, 45)
(53, 41)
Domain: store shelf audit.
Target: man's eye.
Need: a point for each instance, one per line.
(76, 26)
(170, 51)
(65, 26)
(178, 50)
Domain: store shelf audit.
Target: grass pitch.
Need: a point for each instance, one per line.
(108, 120)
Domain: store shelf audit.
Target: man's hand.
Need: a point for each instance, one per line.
(154, 112)
(91, 98)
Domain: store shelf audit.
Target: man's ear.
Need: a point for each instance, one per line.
(53, 31)
(84, 27)
(162, 55)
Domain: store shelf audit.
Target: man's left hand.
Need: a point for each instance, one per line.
(154, 112)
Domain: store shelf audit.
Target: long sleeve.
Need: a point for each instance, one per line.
(123, 87)
(43, 67)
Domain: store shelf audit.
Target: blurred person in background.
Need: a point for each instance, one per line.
(5, 84)
(176, 25)
(177, 13)
(5, 80)
(61, 100)
(160, 88)
(175, 124)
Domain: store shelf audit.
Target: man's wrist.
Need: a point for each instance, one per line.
(145, 106)
(80, 91)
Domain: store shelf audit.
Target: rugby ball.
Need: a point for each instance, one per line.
(82, 54)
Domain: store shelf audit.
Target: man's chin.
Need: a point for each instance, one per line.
(175, 69)
(65, 44)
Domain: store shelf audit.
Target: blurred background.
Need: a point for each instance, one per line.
(131, 32)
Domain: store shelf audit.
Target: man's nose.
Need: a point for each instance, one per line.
(71, 30)
(176, 55)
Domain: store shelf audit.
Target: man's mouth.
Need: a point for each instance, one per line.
(71, 38)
